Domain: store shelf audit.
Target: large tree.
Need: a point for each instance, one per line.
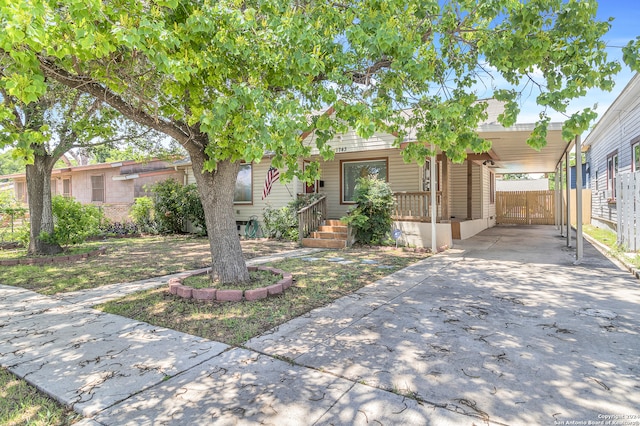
(40, 132)
(232, 79)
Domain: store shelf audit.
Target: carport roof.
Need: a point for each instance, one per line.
(510, 151)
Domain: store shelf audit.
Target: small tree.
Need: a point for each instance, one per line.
(175, 205)
(371, 218)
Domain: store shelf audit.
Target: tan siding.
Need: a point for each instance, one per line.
(458, 190)
(351, 142)
(478, 192)
(402, 176)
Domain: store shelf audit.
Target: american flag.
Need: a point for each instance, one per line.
(272, 175)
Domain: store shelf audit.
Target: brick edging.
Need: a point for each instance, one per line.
(177, 288)
(52, 259)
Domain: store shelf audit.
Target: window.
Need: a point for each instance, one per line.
(97, 188)
(21, 191)
(612, 171)
(351, 171)
(244, 185)
(66, 187)
(635, 155)
(54, 188)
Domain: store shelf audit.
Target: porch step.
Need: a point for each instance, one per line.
(323, 243)
(333, 234)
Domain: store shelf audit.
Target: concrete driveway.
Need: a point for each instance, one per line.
(504, 328)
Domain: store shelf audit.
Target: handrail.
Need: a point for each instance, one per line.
(310, 217)
(415, 205)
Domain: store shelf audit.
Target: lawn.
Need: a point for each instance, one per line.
(22, 404)
(317, 283)
(126, 260)
(609, 239)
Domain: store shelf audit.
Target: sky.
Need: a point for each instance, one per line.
(624, 28)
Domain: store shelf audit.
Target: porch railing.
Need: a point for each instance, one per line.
(310, 217)
(415, 206)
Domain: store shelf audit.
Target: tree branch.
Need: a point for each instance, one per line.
(102, 93)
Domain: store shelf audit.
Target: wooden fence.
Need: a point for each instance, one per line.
(628, 210)
(525, 207)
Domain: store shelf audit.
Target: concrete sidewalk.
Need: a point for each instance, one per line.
(503, 329)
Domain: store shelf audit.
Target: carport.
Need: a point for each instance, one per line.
(511, 154)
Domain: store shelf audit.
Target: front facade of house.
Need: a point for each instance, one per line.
(111, 186)
(614, 149)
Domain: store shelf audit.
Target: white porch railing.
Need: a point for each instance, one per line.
(310, 217)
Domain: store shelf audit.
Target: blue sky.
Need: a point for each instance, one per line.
(625, 27)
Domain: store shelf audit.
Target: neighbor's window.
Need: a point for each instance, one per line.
(612, 171)
(54, 188)
(21, 191)
(244, 185)
(66, 187)
(635, 154)
(351, 171)
(97, 188)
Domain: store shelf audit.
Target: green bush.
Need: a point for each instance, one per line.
(175, 204)
(282, 223)
(142, 212)
(371, 218)
(74, 223)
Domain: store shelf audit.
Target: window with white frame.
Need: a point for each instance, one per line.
(635, 155)
(244, 185)
(97, 188)
(612, 171)
(351, 171)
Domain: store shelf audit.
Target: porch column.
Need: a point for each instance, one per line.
(579, 242)
(434, 203)
(568, 192)
(557, 194)
(469, 190)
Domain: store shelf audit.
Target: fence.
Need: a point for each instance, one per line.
(628, 209)
(525, 207)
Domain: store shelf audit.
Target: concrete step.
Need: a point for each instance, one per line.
(333, 228)
(322, 243)
(329, 235)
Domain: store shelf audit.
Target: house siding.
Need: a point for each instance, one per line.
(614, 132)
(459, 188)
(402, 176)
(351, 142)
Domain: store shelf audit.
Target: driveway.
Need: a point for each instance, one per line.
(504, 328)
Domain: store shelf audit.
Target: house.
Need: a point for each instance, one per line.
(465, 193)
(111, 186)
(614, 152)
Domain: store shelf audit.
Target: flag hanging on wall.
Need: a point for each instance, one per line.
(272, 175)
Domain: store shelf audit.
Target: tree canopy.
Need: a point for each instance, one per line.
(233, 79)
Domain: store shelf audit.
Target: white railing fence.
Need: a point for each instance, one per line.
(628, 210)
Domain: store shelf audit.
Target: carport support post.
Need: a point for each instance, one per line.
(579, 243)
(558, 192)
(568, 191)
(434, 203)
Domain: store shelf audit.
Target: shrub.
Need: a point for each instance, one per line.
(282, 223)
(371, 217)
(175, 204)
(142, 213)
(74, 222)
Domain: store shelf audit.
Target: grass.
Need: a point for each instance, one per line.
(22, 404)
(609, 239)
(317, 284)
(126, 260)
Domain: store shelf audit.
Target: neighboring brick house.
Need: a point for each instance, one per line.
(111, 186)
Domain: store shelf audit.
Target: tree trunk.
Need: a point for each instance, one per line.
(40, 209)
(216, 193)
